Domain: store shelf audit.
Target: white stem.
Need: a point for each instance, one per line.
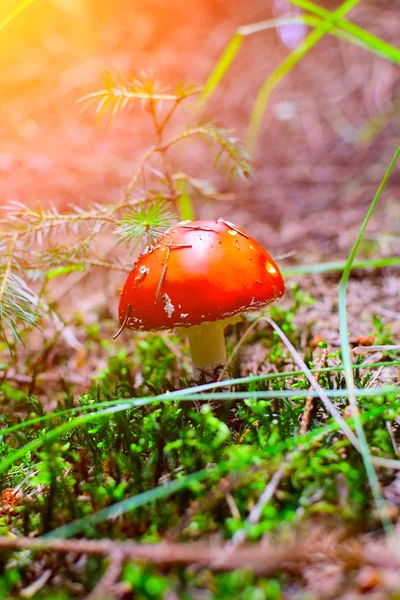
(207, 346)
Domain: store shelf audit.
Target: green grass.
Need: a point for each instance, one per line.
(323, 22)
(346, 354)
(114, 454)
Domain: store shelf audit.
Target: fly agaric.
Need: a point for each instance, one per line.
(199, 276)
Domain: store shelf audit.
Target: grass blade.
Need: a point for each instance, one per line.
(195, 390)
(121, 508)
(222, 66)
(339, 265)
(186, 395)
(10, 16)
(368, 40)
(285, 67)
(346, 354)
(184, 201)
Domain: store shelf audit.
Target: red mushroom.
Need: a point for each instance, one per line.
(200, 275)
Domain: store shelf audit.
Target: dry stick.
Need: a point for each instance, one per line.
(170, 246)
(163, 273)
(255, 513)
(165, 553)
(37, 585)
(233, 227)
(366, 349)
(263, 558)
(310, 402)
(375, 377)
(124, 322)
(110, 577)
(392, 438)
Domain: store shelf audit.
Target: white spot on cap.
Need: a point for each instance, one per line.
(270, 268)
(168, 306)
(184, 315)
(232, 232)
(143, 270)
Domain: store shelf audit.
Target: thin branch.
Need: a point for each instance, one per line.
(264, 558)
(255, 514)
(367, 349)
(310, 402)
(110, 577)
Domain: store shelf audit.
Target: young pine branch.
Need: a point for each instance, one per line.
(18, 303)
(44, 243)
(117, 95)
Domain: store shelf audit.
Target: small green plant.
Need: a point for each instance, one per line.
(151, 202)
(381, 333)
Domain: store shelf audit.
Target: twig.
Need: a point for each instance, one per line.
(310, 402)
(264, 558)
(314, 383)
(120, 330)
(110, 577)
(255, 513)
(392, 438)
(160, 148)
(37, 585)
(374, 378)
(366, 349)
(233, 227)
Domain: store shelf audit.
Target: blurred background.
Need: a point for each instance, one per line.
(328, 135)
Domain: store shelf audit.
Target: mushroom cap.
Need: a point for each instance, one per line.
(198, 271)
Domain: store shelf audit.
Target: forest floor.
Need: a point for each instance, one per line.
(240, 497)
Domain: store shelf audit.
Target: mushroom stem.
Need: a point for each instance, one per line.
(207, 347)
